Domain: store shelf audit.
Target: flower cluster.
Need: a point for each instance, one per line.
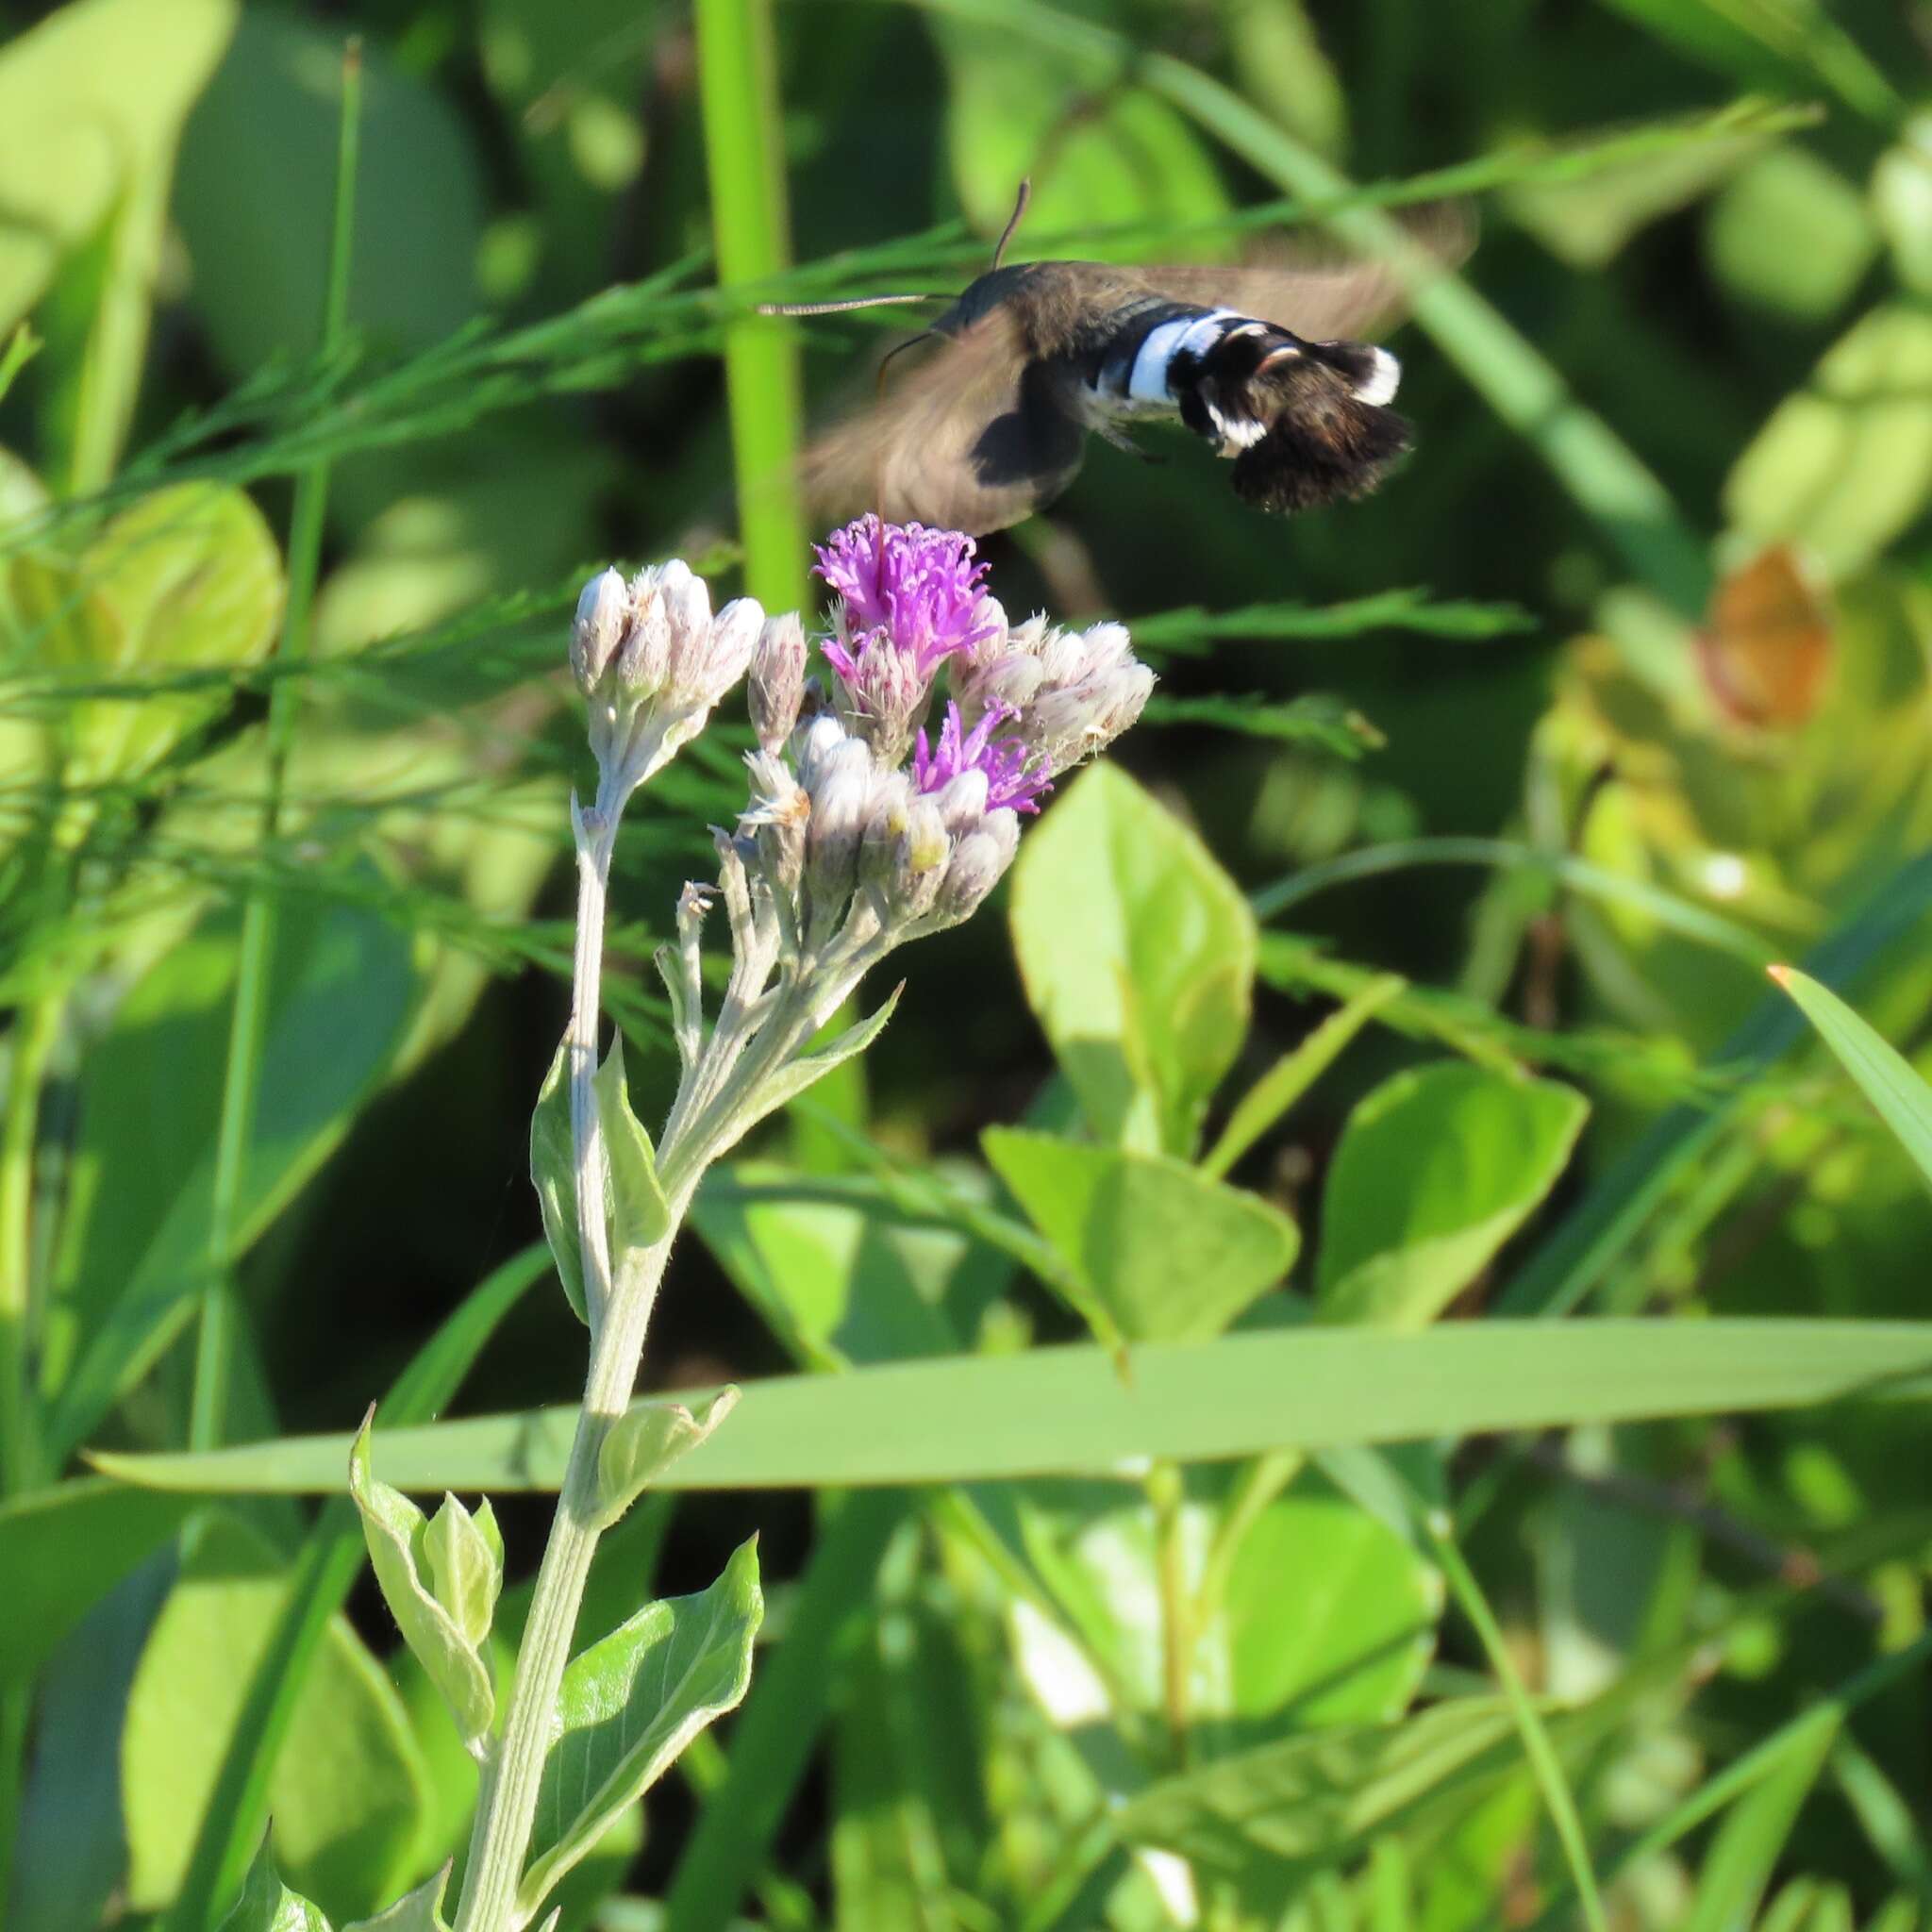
(652, 660)
(853, 839)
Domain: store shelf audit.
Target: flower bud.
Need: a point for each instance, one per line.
(885, 824)
(978, 862)
(602, 612)
(815, 743)
(644, 660)
(919, 862)
(687, 601)
(840, 793)
(776, 690)
(708, 659)
(962, 800)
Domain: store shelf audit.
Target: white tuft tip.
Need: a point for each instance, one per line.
(1384, 373)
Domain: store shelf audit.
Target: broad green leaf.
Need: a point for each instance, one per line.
(1119, 158)
(342, 988)
(1295, 1072)
(1901, 201)
(416, 1911)
(1346, 1645)
(639, 1215)
(438, 1630)
(630, 1704)
(1437, 1169)
(267, 1905)
(91, 100)
(1884, 1076)
(272, 112)
(1072, 1410)
(646, 1439)
(63, 1549)
(348, 1794)
(837, 1285)
(554, 1175)
(1790, 233)
(1138, 953)
(463, 1557)
(1167, 1252)
(188, 577)
(1845, 465)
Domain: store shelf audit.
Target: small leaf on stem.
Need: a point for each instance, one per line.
(553, 1174)
(640, 1214)
(267, 1905)
(459, 1555)
(647, 1438)
(416, 1911)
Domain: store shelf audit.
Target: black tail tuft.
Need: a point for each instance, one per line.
(1306, 422)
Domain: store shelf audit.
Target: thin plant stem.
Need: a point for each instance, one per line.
(743, 118)
(1167, 1491)
(248, 1022)
(1537, 1747)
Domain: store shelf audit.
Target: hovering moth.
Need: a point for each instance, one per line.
(992, 424)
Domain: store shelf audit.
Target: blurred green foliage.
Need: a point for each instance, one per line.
(1619, 690)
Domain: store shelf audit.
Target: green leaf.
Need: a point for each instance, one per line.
(64, 1548)
(267, 1905)
(272, 112)
(1791, 234)
(1115, 158)
(796, 1075)
(1072, 1410)
(187, 578)
(463, 1555)
(416, 1911)
(640, 1214)
(1884, 1076)
(646, 1439)
(630, 1704)
(1437, 1169)
(341, 993)
(1138, 953)
(1295, 1072)
(437, 1628)
(1168, 1253)
(1755, 1836)
(1845, 464)
(1315, 1799)
(349, 1792)
(553, 1174)
(97, 95)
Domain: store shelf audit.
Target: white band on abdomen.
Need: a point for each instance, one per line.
(1196, 334)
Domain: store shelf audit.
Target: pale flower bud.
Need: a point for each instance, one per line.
(963, 801)
(840, 792)
(815, 743)
(776, 690)
(979, 861)
(919, 862)
(644, 661)
(596, 632)
(885, 824)
(708, 659)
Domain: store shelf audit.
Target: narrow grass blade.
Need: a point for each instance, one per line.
(1884, 1075)
(1075, 1410)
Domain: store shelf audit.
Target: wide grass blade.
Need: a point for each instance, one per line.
(1070, 1410)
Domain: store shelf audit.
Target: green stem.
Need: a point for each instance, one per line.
(1167, 1491)
(240, 1084)
(744, 117)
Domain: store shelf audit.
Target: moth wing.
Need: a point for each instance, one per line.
(1321, 299)
(962, 441)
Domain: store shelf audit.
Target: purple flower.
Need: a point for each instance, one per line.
(916, 590)
(1013, 776)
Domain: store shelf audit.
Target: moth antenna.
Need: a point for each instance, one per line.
(1014, 220)
(845, 306)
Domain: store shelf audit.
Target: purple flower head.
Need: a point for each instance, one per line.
(914, 590)
(1013, 776)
